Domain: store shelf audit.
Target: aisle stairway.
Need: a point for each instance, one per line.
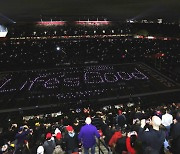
(103, 150)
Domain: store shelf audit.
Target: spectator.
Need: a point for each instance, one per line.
(167, 120)
(49, 144)
(58, 138)
(87, 136)
(114, 138)
(21, 138)
(175, 134)
(153, 139)
(121, 119)
(40, 150)
(4, 149)
(108, 133)
(130, 142)
(71, 140)
(120, 145)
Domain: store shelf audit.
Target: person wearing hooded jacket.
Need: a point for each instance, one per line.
(117, 134)
(71, 140)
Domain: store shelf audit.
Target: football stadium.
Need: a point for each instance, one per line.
(90, 77)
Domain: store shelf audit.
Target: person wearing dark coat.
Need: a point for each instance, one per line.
(121, 119)
(20, 138)
(175, 135)
(71, 140)
(49, 145)
(154, 138)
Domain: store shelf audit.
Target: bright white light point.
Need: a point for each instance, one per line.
(58, 48)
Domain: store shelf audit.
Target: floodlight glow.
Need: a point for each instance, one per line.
(51, 23)
(3, 31)
(93, 23)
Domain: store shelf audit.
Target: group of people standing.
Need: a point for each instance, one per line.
(135, 132)
(53, 143)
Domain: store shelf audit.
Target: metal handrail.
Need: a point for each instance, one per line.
(106, 147)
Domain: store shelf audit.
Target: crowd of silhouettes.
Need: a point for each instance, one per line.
(133, 129)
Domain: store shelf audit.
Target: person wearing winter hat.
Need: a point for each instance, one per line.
(20, 137)
(40, 150)
(49, 144)
(58, 136)
(57, 131)
(58, 139)
(4, 148)
(48, 136)
(71, 140)
(69, 128)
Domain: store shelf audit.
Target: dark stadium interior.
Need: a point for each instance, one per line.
(116, 61)
(22, 10)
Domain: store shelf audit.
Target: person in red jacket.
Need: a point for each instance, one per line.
(130, 141)
(117, 134)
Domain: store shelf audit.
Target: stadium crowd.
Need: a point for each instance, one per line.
(126, 128)
(31, 46)
(34, 54)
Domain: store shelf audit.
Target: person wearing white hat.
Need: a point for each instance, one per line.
(57, 131)
(4, 148)
(40, 150)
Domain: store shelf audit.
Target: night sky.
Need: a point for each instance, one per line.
(28, 10)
